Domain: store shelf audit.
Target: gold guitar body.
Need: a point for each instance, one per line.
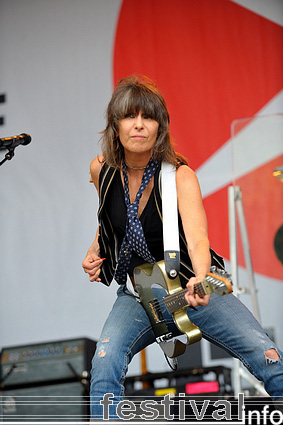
(146, 276)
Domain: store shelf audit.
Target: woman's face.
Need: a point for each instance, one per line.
(138, 133)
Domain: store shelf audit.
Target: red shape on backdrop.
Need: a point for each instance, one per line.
(262, 196)
(213, 61)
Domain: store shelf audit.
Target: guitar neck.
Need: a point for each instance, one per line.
(218, 282)
(176, 301)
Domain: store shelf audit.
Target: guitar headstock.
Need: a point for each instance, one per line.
(220, 281)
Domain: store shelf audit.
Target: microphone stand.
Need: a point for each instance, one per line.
(9, 155)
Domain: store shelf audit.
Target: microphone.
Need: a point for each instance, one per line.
(14, 141)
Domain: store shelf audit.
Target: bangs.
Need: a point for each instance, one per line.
(138, 99)
(133, 95)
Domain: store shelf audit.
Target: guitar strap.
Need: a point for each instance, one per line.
(170, 220)
(170, 223)
(171, 347)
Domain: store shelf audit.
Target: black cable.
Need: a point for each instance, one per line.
(175, 363)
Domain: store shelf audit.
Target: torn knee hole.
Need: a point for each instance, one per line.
(271, 356)
(102, 352)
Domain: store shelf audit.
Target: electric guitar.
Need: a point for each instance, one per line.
(147, 276)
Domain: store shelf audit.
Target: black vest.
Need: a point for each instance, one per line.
(108, 242)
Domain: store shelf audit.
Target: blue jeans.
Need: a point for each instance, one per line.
(225, 321)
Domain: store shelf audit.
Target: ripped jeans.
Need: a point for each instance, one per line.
(225, 321)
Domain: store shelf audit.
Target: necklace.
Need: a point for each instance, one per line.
(135, 168)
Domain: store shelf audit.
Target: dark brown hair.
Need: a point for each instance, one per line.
(132, 95)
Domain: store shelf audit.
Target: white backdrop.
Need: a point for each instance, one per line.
(56, 72)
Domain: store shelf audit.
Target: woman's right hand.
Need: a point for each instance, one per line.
(91, 266)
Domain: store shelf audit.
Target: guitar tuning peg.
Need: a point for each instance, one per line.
(228, 276)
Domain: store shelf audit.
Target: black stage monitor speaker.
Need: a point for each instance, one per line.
(52, 403)
(35, 364)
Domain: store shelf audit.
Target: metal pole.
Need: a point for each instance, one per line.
(233, 238)
(235, 205)
(247, 253)
(234, 272)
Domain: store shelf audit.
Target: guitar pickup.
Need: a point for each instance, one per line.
(155, 310)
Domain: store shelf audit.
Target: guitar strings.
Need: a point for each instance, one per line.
(177, 297)
(158, 303)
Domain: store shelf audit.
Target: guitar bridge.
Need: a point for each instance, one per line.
(155, 310)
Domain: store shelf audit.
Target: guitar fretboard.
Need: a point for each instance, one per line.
(177, 301)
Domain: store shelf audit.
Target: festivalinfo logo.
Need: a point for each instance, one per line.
(202, 411)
